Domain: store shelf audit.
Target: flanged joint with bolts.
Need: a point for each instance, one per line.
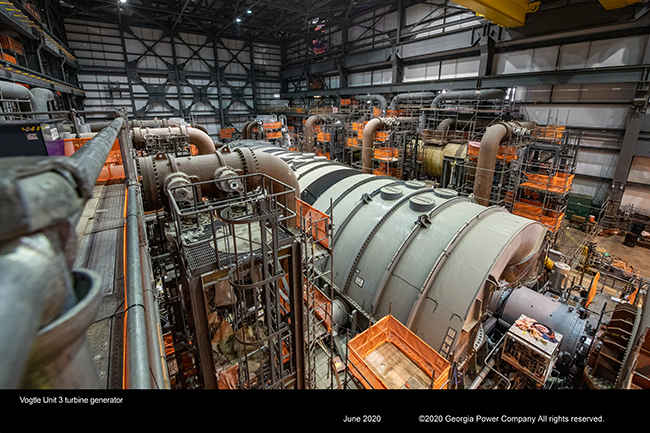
(226, 180)
(178, 185)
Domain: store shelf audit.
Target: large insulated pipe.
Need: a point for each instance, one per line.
(375, 98)
(41, 99)
(309, 132)
(368, 138)
(197, 137)
(203, 168)
(244, 130)
(417, 96)
(487, 157)
(479, 94)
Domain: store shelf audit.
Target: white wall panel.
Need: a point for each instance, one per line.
(640, 170)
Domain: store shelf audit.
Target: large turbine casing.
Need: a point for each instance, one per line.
(423, 255)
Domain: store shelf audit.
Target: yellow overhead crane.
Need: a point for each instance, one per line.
(512, 13)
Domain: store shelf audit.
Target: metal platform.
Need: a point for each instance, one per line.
(101, 233)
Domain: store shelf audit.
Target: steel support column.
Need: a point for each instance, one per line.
(628, 146)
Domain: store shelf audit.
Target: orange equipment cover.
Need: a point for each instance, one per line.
(559, 183)
(551, 133)
(112, 169)
(390, 330)
(318, 221)
(226, 132)
(386, 153)
(534, 211)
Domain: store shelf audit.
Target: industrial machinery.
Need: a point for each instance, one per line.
(261, 257)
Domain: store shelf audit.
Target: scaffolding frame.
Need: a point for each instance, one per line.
(316, 238)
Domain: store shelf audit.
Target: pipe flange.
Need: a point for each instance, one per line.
(177, 186)
(227, 180)
(250, 164)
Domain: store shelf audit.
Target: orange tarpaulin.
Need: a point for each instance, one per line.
(560, 183)
(506, 153)
(417, 358)
(386, 153)
(534, 211)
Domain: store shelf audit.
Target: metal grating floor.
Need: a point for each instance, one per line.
(101, 232)
(202, 258)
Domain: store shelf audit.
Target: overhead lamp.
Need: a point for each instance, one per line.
(238, 20)
(249, 11)
(122, 1)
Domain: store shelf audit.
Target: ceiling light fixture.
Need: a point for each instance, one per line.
(249, 11)
(238, 20)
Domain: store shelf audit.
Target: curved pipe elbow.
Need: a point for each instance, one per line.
(486, 161)
(201, 141)
(273, 166)
(367, 141)
(405, 96)
(309, 132)
(197, 137)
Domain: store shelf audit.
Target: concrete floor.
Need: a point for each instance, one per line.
(638, 257)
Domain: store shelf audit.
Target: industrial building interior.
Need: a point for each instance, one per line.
(325, 195)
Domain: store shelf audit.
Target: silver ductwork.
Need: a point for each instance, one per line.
(376, 98)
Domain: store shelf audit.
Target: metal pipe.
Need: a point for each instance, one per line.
(198, 138)
(309, 132)
(204, 167)
(244, 130)
(367, 142)
(368, 138)
(42, 199)
(249, 129)
(35, 287)
(136, 365)
(417, 95)
(377, 98)
(488, 156)
(479, 94)
(90, 158)
(157, 359)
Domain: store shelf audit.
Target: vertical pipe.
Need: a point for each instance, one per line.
(309, 132)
